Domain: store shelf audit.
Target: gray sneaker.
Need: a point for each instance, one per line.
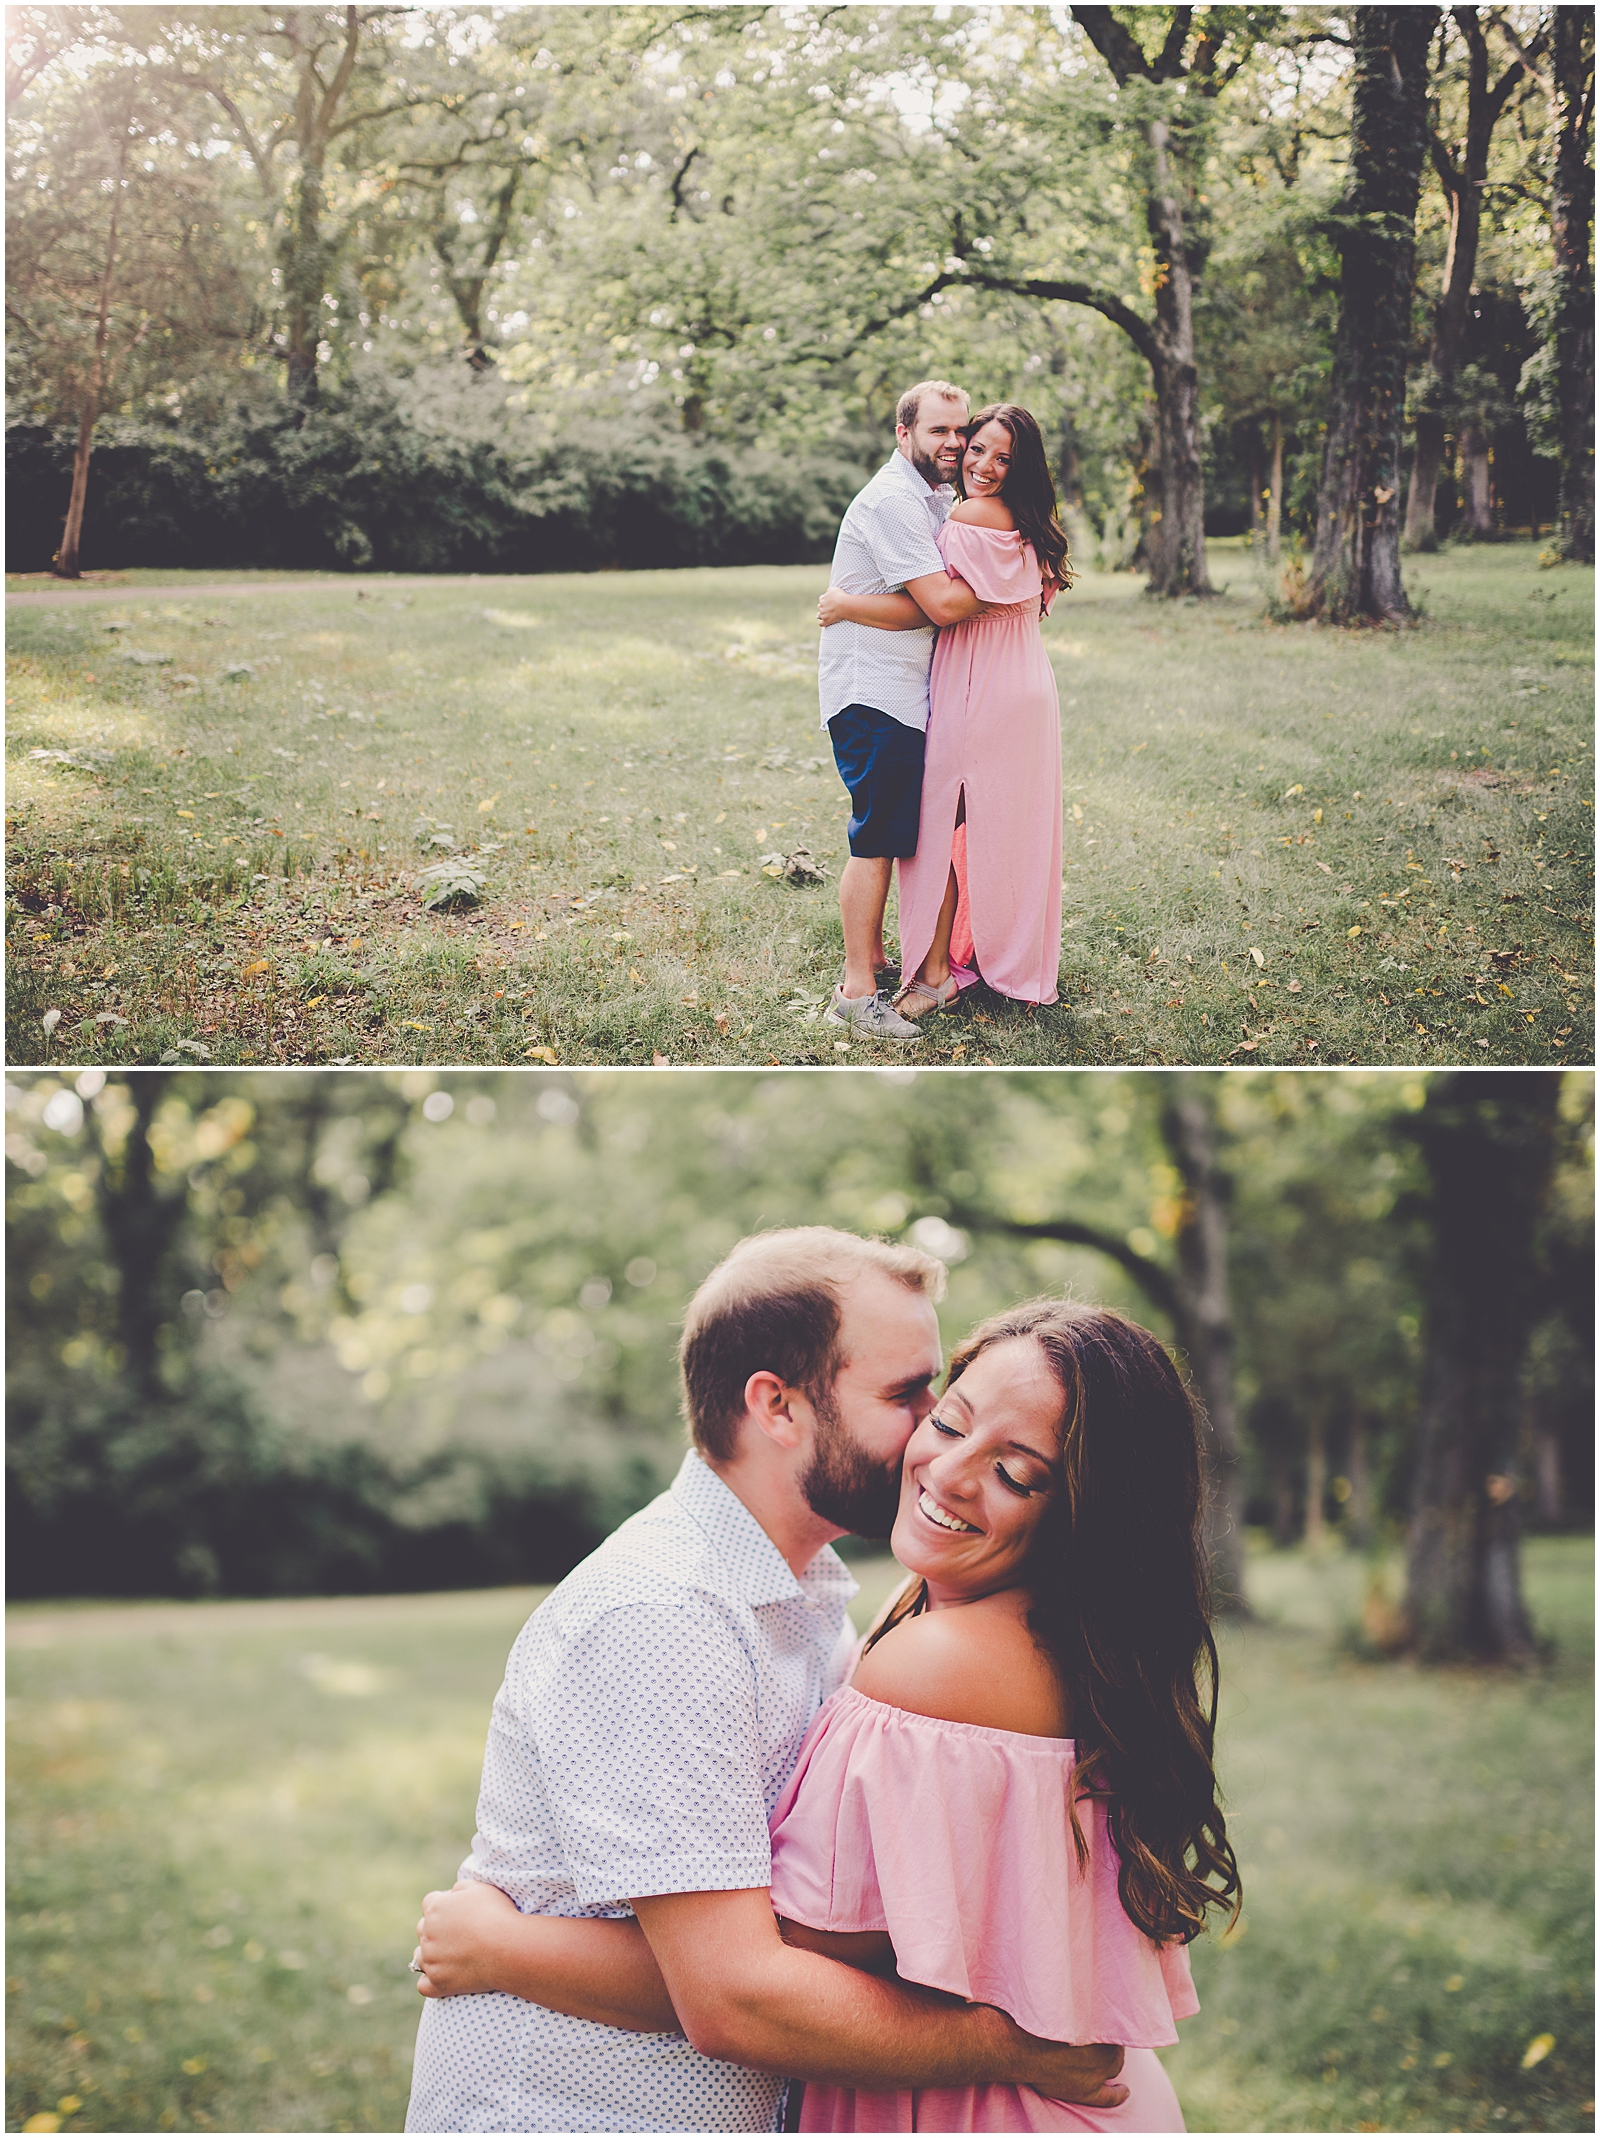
(873, 1016)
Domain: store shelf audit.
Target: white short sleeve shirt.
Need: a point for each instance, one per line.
(886, 537)
(652, 1711)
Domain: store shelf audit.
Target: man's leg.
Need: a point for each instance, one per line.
(863, 894)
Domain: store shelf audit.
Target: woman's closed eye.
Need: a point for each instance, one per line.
(951, 1432)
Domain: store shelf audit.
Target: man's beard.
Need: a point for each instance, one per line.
(930, 471)
(843, 1484)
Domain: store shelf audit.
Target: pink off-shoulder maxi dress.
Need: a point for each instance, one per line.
(994, 730)
(956, 1840)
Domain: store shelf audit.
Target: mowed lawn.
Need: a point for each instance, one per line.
(223, 1816)
(1282, 843)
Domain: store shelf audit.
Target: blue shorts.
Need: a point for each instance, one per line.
(880, 761)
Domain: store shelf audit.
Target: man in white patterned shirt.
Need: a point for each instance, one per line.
(652, 1712)
(873, 684)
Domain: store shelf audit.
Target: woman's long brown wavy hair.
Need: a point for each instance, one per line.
(1029, 490)
(1117, 1582)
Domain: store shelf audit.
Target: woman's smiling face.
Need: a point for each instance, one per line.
(987, 460)
(979, 1472)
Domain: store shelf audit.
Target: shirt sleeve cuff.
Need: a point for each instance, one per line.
(623, 1881)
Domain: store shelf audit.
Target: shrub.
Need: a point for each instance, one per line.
(432, 473)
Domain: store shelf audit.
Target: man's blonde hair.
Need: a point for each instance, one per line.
(911, 400)
(774, 1306)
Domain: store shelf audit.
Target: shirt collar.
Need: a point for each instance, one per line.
(923, 488)
(739, 1538)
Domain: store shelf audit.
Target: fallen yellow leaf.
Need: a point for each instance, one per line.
(260, 965)
(485, 807)
(1352, 933)
(543, 1054)
(1537, 2050)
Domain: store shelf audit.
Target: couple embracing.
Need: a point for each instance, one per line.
(734, 1870)
(941, 706)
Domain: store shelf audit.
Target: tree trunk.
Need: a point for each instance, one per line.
(1477, 521)
(1546, 1440)
(1463, 190)
(1283, 1529)
(1571, 221)
(1355, 569)
(1189, 1130)
(65, 564)
(1178, 542)
(1426, 462)
(1275, 491)
(1489, 1142)
(1179, 563)
(1194, 1296)
(1316, 1482)
(304, 266)
(141, 1226)
(1358, 1518)
(1258, 489)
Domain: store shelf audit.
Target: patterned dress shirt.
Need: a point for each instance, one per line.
(652, 1711)
(886, 537)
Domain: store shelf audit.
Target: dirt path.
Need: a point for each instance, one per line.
(65, 599)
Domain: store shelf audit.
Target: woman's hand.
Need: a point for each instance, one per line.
(832, 607)
(461, 1934)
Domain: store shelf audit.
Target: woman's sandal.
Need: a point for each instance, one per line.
(932, 998)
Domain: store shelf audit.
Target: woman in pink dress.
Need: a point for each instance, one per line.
(1012, 1802)
(981, 897)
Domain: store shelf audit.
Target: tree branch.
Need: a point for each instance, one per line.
(1118, 47)
(1155, 1281)
(1143, 333)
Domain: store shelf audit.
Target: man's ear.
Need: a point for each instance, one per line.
(773, 1404)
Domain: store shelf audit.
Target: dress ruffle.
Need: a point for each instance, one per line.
(997, 563)
(957, 1841)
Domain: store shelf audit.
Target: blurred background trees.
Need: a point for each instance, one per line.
(275, 1334)
(734, 235)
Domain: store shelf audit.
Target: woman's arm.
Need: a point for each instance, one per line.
(884, 612)
(474, 1939)
(869, 1951)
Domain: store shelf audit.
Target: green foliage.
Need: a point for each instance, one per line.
(408, 1330)
(439, 472)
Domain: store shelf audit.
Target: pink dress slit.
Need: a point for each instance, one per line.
(957, 1841)
(994, 730)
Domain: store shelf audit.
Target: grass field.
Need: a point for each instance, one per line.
(1282, 843)
(223, 1817)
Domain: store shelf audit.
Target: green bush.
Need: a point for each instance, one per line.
(208, 1494)
(430, 473)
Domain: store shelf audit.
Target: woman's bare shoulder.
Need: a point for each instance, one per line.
(983, 512)
(971, 1664)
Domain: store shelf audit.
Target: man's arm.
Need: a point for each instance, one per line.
(756, 2000)
(884, 612)
(743, 1995)
(944, 600)
(952, 599)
